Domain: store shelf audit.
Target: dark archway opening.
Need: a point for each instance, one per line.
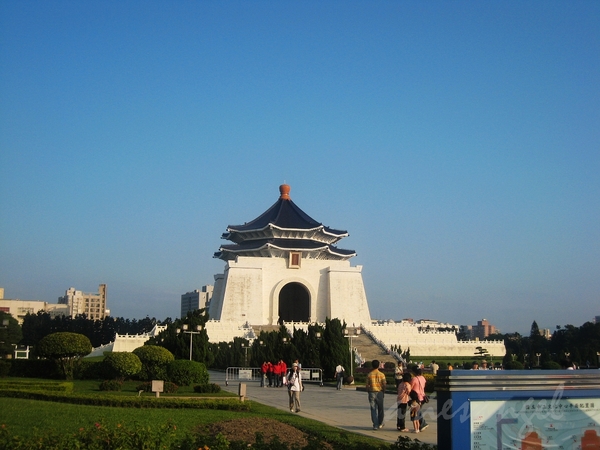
(294, 303)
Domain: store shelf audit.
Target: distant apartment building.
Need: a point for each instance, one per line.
(480, 331)
(197, 299)
(93, 304)
(545, 332)
(20, 308)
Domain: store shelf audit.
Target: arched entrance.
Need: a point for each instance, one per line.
(294, 303)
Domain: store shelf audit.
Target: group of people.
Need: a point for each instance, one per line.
(277, 375)
(274, 374)
(410, 397)
(410, 391)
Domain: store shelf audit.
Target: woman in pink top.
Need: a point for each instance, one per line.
(417, 384)
(403, 399)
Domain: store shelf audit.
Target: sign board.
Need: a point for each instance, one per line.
(533, 423)
(245, 374)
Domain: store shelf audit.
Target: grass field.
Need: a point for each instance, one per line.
(24, 417)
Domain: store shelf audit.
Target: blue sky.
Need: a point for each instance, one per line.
(457, 142)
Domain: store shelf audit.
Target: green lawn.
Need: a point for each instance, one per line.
(24, 417)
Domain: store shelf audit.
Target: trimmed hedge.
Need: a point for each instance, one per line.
(111, 385)
(35, 368)
(91, 370)
(208, 388)
(168, 387)
(45, 386)
(4, 369)
(229, 404)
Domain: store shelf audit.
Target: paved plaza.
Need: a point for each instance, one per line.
(347, 409)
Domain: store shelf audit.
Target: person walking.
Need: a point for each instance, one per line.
(375, 386)
(403, 399)
(339, 376)
(294, 383)
(417, 385)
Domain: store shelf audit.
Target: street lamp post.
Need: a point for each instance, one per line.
(598, 355)
(245, 347)
(350, 336)
(538, 357)
(191, 333)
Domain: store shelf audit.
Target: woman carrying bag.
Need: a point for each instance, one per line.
(294, 383)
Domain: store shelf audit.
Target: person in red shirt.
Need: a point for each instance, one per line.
(283, 370)
(270, 373)
(263, 374)
(277, 373)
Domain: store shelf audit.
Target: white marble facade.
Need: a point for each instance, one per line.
(250, 290)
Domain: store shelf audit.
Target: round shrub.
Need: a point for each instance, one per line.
(121, 365)
(208, 388)
(550, 365)
(514, 365)
(66, 349)
(154, 360)
(64, 345)
(111, 385)
(185, 373)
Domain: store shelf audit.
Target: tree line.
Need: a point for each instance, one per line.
(322, 346)
(99, 332)
(568, 345)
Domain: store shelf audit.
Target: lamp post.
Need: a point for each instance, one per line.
(191, 333)
(538, 357)
(351, 336)
(245, 347)
(598, 355)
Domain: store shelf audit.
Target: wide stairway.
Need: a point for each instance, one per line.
(367, 348)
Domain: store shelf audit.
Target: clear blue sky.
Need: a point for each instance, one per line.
(457, 142)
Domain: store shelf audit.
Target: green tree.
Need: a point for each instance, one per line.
(10, 334)
(122, 364)
(334, 347)
(177, 341)
(36, 326)
(155, 360)
(66, 349)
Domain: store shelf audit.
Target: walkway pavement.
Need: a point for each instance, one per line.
(347, 409)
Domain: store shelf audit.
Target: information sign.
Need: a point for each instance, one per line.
(535, 424)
